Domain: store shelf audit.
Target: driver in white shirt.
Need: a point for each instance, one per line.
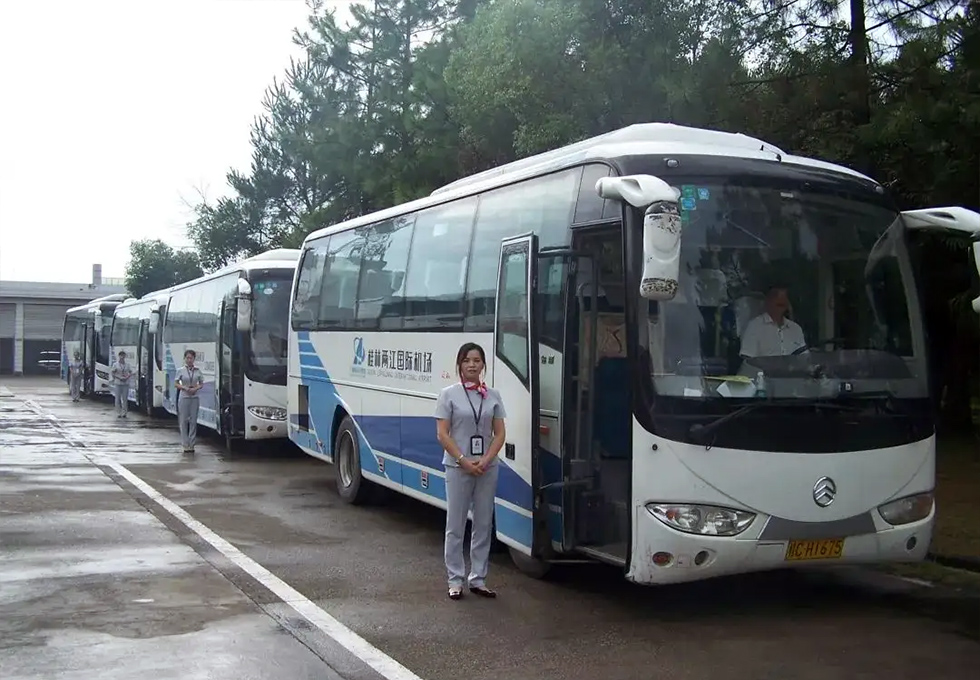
(771, 333)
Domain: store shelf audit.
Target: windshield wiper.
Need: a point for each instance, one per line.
(700, 433)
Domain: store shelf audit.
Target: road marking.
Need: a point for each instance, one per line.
(344, 636)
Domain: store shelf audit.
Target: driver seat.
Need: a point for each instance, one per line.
(746, 308)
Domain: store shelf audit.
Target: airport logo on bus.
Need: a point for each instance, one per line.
(398, 364)
(824, 492)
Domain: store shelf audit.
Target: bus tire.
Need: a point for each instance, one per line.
(529, 566)
(351, 485)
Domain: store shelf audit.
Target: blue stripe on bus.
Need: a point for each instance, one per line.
(386, 434)
(310, 361)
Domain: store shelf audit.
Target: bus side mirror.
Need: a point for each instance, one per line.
(154, 325)
(661, 229)
(243, 301)
(976, 260)
(98, 322)
(951, 219)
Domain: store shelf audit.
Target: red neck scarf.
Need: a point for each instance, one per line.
(476, 387)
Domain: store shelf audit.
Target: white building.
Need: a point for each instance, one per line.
(32, 315)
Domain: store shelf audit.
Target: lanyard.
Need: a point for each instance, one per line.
(476, 417)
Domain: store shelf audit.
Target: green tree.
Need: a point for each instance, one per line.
(154, 265)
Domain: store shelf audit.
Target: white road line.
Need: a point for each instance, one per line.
(344, 636)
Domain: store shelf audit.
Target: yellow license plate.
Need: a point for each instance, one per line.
(826, 549)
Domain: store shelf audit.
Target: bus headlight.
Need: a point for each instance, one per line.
(908, 509)
(702, 519)
(268, 412)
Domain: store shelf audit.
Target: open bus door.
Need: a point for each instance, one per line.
(144, 363)
(88, 357)
(534, 289)
(515, 376)
(231, 380)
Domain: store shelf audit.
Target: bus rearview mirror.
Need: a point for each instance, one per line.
(243, 300)
(976, 260)
(661, 229)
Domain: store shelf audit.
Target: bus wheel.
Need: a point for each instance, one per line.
(529, 566)
(351, 485)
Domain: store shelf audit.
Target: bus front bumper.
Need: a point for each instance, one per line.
(265, 422)
(664, 555)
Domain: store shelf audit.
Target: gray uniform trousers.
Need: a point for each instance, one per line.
(121, 392)
(187, 408)
(464, 491)
(75, 385)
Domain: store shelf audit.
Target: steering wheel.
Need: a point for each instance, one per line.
(812, 345)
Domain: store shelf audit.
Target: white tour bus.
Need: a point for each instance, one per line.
(236, 320)
(86, 329)
(624, 289)
(131, 333)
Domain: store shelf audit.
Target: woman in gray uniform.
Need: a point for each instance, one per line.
(121, 373)
(188, 382)
(75, 375)
(470, 427)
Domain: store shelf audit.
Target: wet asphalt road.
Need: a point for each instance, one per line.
(99, 580)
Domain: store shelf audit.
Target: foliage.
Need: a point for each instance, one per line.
(154, 265)
(413, 94)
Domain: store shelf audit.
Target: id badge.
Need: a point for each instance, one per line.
(476, 445)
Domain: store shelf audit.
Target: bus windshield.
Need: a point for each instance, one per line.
(269, 341)
(789, 292)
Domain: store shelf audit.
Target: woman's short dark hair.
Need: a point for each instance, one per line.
(465, 349)
(191, 352)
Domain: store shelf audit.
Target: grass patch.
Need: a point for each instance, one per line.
(957, 531)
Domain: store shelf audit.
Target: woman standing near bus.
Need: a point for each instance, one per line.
(189, 381)
(120, 373)
(75, 374)
(470, 427)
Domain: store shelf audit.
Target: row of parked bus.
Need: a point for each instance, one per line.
(711, 352)
(235, 319)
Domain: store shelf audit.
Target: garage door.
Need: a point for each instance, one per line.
(8, 319)
(6, 356)
(44, 322)
(42, 357)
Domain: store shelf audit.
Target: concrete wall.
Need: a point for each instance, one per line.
(23, 342)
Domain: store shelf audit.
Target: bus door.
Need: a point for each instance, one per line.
(88, 356)
(231, 381)
(530, 371)
(144, 358)
(515, 376)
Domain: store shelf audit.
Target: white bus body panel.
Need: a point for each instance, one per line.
(173, 353)
(102, 383)
(393, 411)
(263, 394)
(779, 487)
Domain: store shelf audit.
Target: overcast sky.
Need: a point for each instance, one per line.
(114, 113)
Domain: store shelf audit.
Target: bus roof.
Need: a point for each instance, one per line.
(287, 258)
(98, 303)
(634, 140)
